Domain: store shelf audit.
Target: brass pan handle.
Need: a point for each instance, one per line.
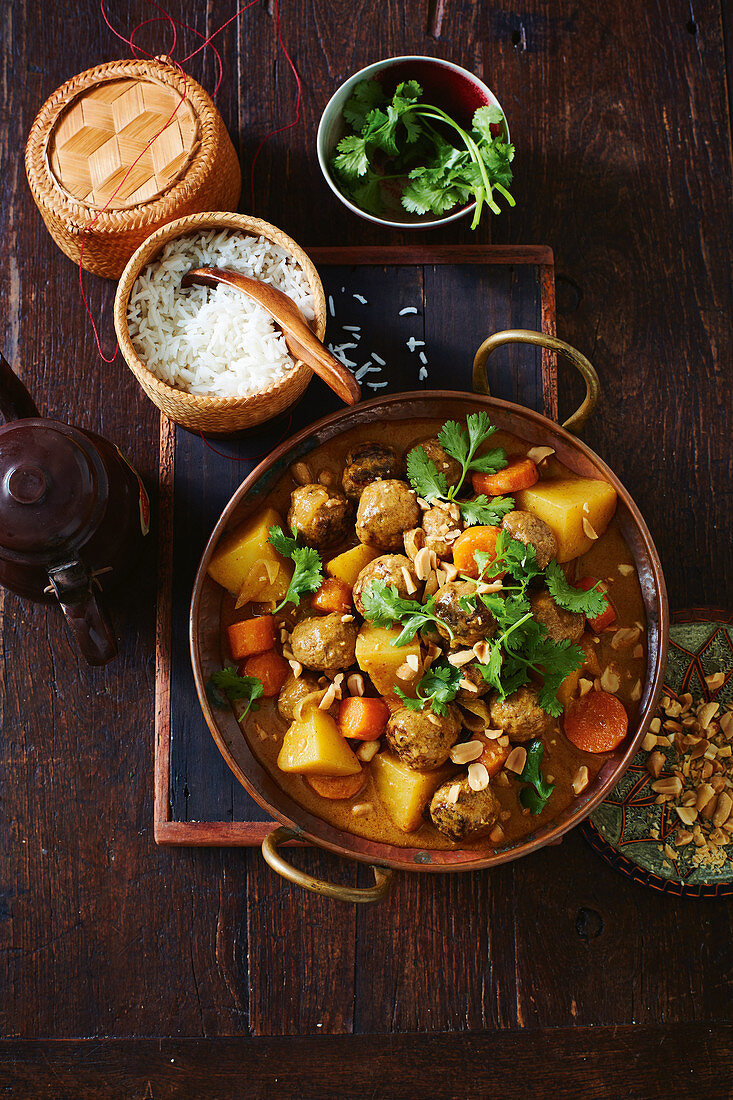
(525, 336)
(382, 875)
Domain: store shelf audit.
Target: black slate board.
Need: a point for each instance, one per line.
(459, 304)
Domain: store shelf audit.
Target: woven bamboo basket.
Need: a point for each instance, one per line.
(120, 150)
(216, 415)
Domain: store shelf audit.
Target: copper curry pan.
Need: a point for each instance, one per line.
(298, 823)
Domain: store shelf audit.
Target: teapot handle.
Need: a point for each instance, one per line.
(15, 401)
(73, 587)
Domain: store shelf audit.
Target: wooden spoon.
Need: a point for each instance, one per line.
(301, 340)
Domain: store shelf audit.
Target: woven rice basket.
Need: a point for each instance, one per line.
(120, 150)
(216, 415)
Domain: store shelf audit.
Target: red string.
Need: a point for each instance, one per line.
(280, 129)
(250, 458)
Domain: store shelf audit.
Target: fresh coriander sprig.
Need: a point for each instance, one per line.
(591, 603)
(227, 685)
(308, 571)
(462, 444)
(438, 687)
(384, 606)
(534, 797)
(434, 173)
(523, 648)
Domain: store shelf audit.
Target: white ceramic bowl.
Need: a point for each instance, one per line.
(451, 87)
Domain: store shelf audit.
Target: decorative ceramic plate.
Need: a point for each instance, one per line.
(629, 829)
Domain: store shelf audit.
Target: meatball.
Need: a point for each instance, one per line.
(366, 463)
(319, 515)
(387, 568)
(468, 627)
(560, 623)
(293, 690)
(532, 531)
(472, 673)
(386, 510)
(437, 523)
(520, 715)
(423, 739)
(324, 643)
(469, 813)
(437, 453)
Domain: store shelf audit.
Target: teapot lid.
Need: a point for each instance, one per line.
(53, 490)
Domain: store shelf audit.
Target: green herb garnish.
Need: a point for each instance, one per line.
(419, 149)
(228, 686)
(591, 603)
(523, 649)
(384, 606)
(461, 444)
(438, 687)
(510, 556)
(534, 797)
(308, 572)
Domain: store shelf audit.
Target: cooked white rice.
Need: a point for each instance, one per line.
(214, 341)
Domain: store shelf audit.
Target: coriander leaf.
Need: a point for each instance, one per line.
(368, 194)
(490, 462)
(455, 439)
(592, 603)
(534, 797)
(308, 571)
(307, 575)
(284, 544)
(424, 476)
(479, 429)
(407, 93)
(513, 556)
(556, 664)
(234, 688)
(383, 606)
(486, 117)
(366, 96)
(491, 669)
(438, 687)
(352, 157)
(489, 513)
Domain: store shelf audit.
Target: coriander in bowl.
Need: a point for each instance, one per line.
(416, 142)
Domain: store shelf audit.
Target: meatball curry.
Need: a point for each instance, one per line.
(443, 641)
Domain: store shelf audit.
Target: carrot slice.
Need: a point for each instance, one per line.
(337, 786)
(518, 474)
(597, 722)
(333, 597)
(270, 669)
(363, 718)
(493, 756)
(466, 545)
(251, 636)
(606, 617)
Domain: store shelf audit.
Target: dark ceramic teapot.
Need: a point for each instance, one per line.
(73, 515)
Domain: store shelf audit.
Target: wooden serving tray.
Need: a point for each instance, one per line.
(462, 295)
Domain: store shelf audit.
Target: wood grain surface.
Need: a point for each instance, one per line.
(621, 116)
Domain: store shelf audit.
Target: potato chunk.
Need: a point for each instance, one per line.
(564, 503)
(384, 663)
(346, 567)
(246, 564)
(314, 746)
(403, 791)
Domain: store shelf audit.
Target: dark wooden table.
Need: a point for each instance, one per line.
(131, 971)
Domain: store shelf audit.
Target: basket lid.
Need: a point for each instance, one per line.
(103, 140)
